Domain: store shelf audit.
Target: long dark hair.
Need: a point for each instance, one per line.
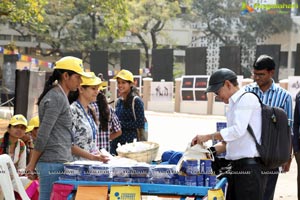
(5, 143)
(56, 75)
(104, 112)
(133, 92)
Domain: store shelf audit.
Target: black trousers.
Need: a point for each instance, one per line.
(245, 180)
(297, 156)
(269, 178)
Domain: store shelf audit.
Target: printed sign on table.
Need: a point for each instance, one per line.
(121, 192)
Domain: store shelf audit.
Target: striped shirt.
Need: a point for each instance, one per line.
(275, 96)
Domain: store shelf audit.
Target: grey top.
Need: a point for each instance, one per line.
(54, 138)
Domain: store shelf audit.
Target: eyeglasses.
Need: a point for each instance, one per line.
(259, 75)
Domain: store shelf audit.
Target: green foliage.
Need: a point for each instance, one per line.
(22, 11)
(223, 19)
(82, 25)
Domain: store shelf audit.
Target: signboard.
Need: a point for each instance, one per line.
(161, 91)
(193, 88)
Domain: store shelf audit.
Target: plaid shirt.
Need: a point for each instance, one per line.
(113, 126)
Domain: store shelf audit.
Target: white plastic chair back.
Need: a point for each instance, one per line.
(9, 177)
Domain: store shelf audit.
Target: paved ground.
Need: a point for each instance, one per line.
(174, 131)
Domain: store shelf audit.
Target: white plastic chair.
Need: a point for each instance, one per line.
(9, 177)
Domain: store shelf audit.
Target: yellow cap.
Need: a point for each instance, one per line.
(71, 63)
(33, 123)
(103, 85)
(94, 80)
(29, 128)
(17, 120)
(125, 75)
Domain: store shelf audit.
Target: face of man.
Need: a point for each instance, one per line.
(263, 78)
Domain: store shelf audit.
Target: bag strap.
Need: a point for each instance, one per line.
(133, 99)
(249, 128)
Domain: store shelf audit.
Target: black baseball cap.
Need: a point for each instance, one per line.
(217, 79)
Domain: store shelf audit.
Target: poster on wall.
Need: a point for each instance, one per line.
(161, 91)
(294, 85)
(193, 88)
(200, 95)
(187, 95)
(187, 82)
(201, 82)
(137, 80)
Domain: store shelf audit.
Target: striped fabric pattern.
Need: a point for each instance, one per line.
(275, 96)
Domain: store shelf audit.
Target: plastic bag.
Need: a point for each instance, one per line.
(196, 152)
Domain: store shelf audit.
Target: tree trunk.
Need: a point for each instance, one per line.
(145, 45)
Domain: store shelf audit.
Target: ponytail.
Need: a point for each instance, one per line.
(49, 84)
(104, 112)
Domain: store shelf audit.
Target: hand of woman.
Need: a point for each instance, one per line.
(101, 157)
(31, 173)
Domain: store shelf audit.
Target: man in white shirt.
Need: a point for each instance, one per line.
(243, 109)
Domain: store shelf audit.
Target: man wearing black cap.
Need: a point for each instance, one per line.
(243, 109)
(275, 96)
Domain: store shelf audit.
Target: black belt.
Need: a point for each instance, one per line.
(246, 161)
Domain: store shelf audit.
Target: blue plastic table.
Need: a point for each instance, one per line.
(181, 191)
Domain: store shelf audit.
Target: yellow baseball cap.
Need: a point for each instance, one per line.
(93, 80)
(35, 121)
(125, 75)
(17, 120)
(71, 63)
(103, 85)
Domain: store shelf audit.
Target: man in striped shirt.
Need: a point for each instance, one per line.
(272, 95)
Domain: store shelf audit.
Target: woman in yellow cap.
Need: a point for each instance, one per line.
(11, 142)
(55, 138)
(30, 135)
(124, 110)
(84, 124)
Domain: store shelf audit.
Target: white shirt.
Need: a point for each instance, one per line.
(241, 112)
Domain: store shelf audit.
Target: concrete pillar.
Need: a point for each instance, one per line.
(146, 91)
(210, 100)
(113, 90)
(246, 81)
(177, 94)
(284, 83)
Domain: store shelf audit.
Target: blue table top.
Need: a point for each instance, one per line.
(148, 188)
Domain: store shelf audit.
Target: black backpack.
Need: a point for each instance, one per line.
(275, 148)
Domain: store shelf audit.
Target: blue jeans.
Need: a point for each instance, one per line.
(48, 174)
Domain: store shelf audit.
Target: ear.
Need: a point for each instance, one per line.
(65, 76)
(272, 72)
(80, 89)
(227, 83)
